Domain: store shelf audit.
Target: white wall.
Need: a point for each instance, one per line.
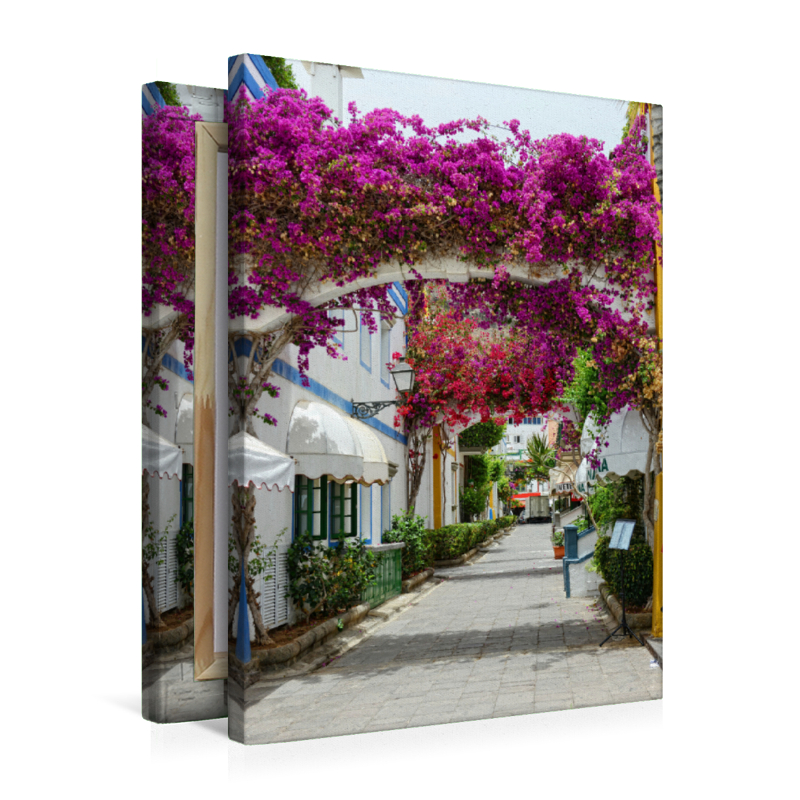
(350, 380)
(164, 497)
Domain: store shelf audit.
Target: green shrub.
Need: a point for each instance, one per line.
(184, 555)
(582, 524)
(482, 434)
(410, 528)
(638, 569)
(473, 500)
(451, 541)
(326, 580)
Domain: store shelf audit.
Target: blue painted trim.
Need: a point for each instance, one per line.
(566, 562)
(157, 96)
(570, 541)
(243, 625)
(264, 70)
(403, 294)
(243, 76)
(173, 365)
(396, 299)
(291, 374)
(400, 297)
(146, 107)
(231, 62)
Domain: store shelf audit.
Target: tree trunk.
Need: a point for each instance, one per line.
(244, 502)
(152, 364)
(416, 467)
(147, 580)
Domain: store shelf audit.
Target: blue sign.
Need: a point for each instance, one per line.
(621, 537)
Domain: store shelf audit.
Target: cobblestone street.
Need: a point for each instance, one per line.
(496, 638)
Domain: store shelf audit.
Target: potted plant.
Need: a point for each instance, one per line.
(558, 543)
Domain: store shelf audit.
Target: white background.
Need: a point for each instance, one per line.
(70, 305)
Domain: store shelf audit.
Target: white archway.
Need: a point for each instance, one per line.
(432, 268)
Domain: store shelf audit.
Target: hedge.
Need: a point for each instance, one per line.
(452, 541)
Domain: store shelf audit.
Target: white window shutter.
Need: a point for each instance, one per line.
(166, 575)
(274, 603)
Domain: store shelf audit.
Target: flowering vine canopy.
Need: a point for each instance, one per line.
(314, 200)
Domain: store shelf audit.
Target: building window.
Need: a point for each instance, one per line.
(324, 507)
(365, 344)
(187, 494)
(344, 522)
(311, 506)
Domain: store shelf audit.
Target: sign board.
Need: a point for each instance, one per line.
(621, 537)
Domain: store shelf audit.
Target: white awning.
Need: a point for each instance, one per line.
(562, 478)
(160, 457)
(253, 461)
(627, 445)
(376, 465)
(326, 442)
(184, 420)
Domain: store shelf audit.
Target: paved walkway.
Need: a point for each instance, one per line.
(496, 638)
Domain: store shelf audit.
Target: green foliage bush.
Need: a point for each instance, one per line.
(473, 500)
(638, 569)
(483, 434)
(169, 92)
(622, 499)
(328, 580)
(482, 472)
(410, 528)
(184, 554)
(281, 71)
(451, 541)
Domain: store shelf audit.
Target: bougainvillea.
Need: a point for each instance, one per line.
(168, 183)
(315, 201)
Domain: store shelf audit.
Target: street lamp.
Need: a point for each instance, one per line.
(403, 377)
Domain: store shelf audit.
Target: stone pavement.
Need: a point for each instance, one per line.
(496, 638)
(171, 694)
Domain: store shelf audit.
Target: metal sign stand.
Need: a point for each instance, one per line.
(621, 540)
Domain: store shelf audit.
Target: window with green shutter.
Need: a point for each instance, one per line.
(311, 506)
(344, 510)
(325, 508)
(187, 494)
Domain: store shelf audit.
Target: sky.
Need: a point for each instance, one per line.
(439, 100)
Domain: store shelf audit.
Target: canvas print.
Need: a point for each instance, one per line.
(176, 487)
(445, 392)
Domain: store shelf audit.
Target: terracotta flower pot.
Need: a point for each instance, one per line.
(558, 552)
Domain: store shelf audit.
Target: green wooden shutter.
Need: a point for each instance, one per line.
(353, 509)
